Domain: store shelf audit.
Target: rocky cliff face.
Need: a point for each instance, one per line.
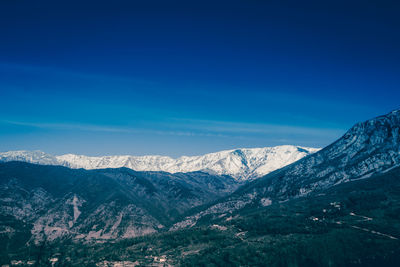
(367, 148)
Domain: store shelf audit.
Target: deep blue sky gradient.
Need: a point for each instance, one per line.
(190, 77)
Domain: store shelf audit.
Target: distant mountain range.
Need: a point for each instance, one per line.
(241, 164)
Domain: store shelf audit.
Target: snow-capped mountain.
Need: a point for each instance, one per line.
(242, 164)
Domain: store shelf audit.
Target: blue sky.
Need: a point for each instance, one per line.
(191, 77)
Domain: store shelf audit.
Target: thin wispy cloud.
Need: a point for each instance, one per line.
(69, 126)
(188, 127)
(66, 73)
(252, 128)
(107, 129)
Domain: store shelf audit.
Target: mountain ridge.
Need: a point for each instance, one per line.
(241, 164)
(368, 148)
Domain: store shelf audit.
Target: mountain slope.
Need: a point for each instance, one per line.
(42, 204)
(350, 224)
(242, 164)
(368, 148)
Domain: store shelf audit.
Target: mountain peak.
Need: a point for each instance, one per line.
(369, 147)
